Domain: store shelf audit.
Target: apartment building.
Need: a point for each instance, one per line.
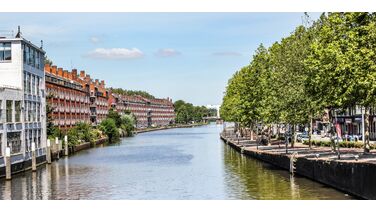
(22, 100)
(75, 97)
(148, 112)
(68, 96)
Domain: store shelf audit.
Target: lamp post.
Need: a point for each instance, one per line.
(338, 132)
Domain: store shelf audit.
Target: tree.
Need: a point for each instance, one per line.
(108, 127)
(342, 63)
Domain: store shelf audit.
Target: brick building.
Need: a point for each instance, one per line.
(68, 95)
(148, 112)
(75, 97)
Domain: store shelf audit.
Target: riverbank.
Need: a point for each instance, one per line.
(169, 127)
(353, 173)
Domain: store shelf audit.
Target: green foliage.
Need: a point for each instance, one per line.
(108, 127)
(186, 112)
(112, 114)
(132, 93)
(329, 64)
(127, 124)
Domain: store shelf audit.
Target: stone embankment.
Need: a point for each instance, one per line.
(354, 173)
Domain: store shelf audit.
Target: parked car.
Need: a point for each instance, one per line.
(302, 137)
(352, 137)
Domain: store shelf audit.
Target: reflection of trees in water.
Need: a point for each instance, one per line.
(248, 178)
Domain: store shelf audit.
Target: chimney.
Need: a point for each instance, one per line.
(87, 78)
(60, 72)
(96, 82)
(65, 74)
(102, 83)
(74, 74)
(70, 75)
(47, 68)
(82, 74)
(54, 71)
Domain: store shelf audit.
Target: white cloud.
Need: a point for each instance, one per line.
(227, 53)
(94, 40)
(167, 53)
(115, 53)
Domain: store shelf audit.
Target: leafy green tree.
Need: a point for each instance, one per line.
(108, 127)
(342, 63)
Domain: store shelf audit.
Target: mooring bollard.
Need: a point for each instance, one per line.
(8, 170)
(33, 158)
(66, 152)
(57, 147)
(48, 153)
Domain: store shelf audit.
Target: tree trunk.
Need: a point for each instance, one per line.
(366, 130)
(310, 132)
(278, 131)
(293, 136)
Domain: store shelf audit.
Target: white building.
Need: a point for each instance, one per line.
(22, 100)
(214, 107)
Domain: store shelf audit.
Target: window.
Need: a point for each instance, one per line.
(27, 52)
(9, 110)
(28, 83)
(38, 80)
(14, 142)
(5, 51)
(26, 112)
(1, 111)
(17, 105)
(37, 60)
(1, 149)
(39, 140)
(30, 140)
(30, 112)
(33, 85)
(38, 112)
(25, 81)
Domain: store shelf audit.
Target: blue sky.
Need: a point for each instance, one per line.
(187, 56)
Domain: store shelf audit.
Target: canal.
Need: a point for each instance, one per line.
(187, 163)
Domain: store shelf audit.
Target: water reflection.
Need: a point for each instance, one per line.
(189, 163)
(258, 180)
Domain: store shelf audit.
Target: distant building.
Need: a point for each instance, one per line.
(148, 112)
(22, 100)
(214, 107)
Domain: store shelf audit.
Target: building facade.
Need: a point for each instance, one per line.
(148, 112)
(22, 100)
(75, 97)
(68, 97)
(351, 122)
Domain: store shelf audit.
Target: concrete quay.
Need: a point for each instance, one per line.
(354, 173)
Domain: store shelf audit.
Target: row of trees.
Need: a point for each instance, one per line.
(188, 113)
(132, 92)
(324, 64)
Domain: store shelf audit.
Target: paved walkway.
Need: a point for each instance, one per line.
(320, 153)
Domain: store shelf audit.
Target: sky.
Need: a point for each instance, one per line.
(188, 56)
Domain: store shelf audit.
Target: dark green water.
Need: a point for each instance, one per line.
(189, 163)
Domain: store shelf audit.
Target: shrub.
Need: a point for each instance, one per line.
(108, 127)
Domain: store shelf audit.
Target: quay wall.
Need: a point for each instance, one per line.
(355, 178)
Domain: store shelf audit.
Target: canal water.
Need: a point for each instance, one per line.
(188, 163)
